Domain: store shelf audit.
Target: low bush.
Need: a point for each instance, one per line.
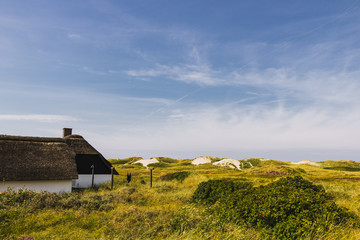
(253, 161)
(179, 176)
(159, 165)
(186, 163)
(276, 170)
(76, 200)
(289, 208)
(245, 164)
(211, 191)
(118, 161)
(344, 165)
(167, 160)
(124, 160)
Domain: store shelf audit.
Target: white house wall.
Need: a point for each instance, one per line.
(56, 186)
(85, 180)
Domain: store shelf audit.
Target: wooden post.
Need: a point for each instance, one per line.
(93, 173)
(112, 178)
(151, 169)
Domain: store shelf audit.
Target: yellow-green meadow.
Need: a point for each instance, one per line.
(134, 210)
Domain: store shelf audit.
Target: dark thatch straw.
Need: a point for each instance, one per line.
(36, 158)
(32, 158)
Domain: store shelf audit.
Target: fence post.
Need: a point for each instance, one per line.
(151, 169)
(112, 178)
(92, 177)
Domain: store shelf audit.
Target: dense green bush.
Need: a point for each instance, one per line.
(289, 208)
(211, 191)
(179, 176)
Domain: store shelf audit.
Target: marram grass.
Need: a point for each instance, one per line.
(136, 211)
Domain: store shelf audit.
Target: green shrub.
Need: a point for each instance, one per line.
(211, 191)
(159, 165)
(186, 163)
(167, 160)
(179, 176)
(245, 164)
(35, 200)
(11, 197)
(124, 160)
(343, 165)
(253, 161)
(276, 170)
(289, 208)
(273, 163)
(127, 166)
(118, 161)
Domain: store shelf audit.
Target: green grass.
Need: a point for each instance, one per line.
(136, 211)
(341, 165)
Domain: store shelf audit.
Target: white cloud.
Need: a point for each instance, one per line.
(203, 130)
(199, 74)
(326, 86)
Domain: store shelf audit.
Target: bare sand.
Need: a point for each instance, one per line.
(201, 160)
(307, 162)
(146, 162)
(232, 163)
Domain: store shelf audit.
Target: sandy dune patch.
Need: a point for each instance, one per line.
(201, 160)
(146, 162)
(232, 163)
(307, 162)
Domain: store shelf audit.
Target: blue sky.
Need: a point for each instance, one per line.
(273, 79)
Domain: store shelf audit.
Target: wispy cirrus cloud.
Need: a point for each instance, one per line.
(324, 85)
(254, 128)
(199, 74)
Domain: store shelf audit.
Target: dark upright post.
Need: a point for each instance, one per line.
(92, 178)
(112, 178)
(151, 169)
(128, 177)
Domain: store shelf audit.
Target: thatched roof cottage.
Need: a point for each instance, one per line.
(51, 164)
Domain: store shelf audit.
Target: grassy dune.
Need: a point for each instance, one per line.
(136, 211)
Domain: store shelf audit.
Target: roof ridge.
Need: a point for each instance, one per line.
(30, 139)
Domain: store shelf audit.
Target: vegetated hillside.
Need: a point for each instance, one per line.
(266, 194)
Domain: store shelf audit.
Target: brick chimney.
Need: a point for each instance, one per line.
(67, 132)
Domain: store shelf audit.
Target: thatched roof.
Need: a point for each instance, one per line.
(81, 147)
(34, 158)
(37, 158)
